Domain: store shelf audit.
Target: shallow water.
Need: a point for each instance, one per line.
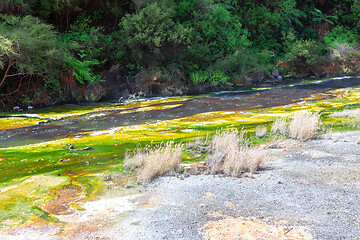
(100, 117)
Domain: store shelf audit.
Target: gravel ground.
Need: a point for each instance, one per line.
(314, 184)
(305, 190)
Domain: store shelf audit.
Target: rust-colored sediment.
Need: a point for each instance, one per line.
(243, 229)
(60, 205)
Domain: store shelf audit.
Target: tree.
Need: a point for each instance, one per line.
(30, 50)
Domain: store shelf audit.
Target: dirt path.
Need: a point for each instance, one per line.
(304, 191)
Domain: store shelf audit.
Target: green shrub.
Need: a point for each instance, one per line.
(153, 34)
(90, 50)
(247, 61)
(212, 77)
(340, 35)
(304, 56)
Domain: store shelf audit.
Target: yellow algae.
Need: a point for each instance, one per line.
(17, 122)
(19, 201)
(31, 185)
(126, 106)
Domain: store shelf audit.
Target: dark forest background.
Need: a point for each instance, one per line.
(55, 51)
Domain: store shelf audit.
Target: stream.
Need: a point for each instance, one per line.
(133, 113)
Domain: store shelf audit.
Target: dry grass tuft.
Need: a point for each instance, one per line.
(229, 155)
(353, 113)
(154, 161)
(280, 126)
(200, 144)
(304, 125)
(261, 131)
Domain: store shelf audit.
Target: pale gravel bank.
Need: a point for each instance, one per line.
(314, 184)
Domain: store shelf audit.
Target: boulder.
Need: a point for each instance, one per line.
(114, 84)
(94, 92)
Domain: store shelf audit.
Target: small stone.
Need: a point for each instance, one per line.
(106, 177)
(30, 107)
(87, 163)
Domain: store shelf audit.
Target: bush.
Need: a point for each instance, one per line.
(154, 161)
(152, 35)
(340, 35)
(304, 126)
(216, 77)
(247, 62)
(304, 56)
(228, 155)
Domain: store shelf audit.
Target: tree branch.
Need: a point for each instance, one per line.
(11, 63)
(8, 94)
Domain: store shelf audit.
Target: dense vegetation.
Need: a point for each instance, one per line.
(50, 50)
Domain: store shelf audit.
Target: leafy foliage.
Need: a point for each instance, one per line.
(212, 77)
(152, 31)
(32, 44)
(302, 56)
(213, 42)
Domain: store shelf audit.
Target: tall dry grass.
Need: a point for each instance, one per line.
(280, 126)
(348, 113)
(154, 161)
(260, 131)
(229, 155)
(304, 126)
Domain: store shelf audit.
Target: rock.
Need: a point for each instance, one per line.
(115, 85)
(106, 177)
(94, 92)
(30, 107)
(16, 108)
(275, 73)
(279, 78)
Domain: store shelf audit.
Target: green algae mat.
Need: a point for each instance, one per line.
(71, 151)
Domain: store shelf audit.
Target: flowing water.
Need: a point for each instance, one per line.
(59, 122)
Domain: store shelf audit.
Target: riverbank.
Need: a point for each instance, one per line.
(303, 191)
